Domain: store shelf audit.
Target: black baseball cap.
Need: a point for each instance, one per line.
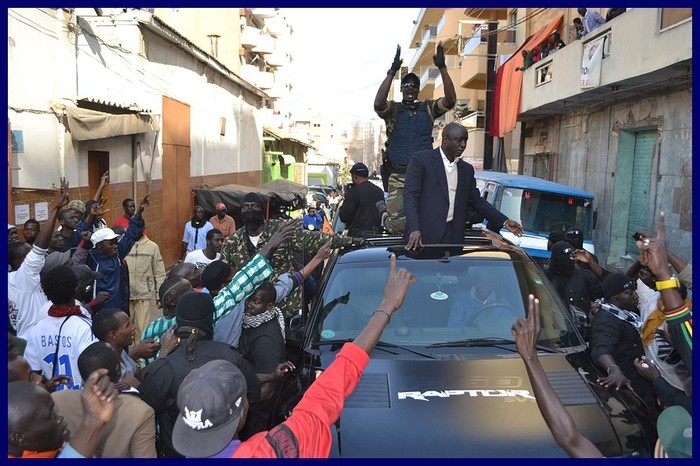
(360, 169)
(211, 400)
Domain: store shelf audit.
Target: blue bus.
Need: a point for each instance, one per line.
(541, 207)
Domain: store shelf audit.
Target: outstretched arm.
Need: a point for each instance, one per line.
(44, 237)
(450, 93)
(380, 103)
(558, 419)
(103, 182)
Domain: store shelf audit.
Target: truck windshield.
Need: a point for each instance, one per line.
(545, 212)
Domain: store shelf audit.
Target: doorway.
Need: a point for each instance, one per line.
(177, 195)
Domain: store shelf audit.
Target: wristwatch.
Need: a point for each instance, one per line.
(670, 283)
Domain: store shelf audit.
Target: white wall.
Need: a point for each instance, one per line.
(117, 61)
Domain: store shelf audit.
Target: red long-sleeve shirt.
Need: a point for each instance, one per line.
(319, 408)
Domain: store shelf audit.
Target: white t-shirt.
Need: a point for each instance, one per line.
(75, 335)
(255, 239)
(44, 312)
(198, 258)
(24, 293)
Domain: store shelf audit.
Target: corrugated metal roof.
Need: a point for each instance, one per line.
(96, 103)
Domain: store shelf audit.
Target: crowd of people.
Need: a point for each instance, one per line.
(583, 25)
(79, 318)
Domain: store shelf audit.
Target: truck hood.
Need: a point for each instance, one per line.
(463, 408)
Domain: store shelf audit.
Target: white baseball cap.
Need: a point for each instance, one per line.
(103, 234)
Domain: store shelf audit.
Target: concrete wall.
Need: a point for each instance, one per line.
(585, 144)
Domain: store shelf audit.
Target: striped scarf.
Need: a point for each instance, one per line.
(257, 320)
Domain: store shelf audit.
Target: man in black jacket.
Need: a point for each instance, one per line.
(362, 208)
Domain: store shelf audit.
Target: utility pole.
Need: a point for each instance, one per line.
(491, 49)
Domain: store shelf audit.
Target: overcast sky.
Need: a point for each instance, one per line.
(341, 55)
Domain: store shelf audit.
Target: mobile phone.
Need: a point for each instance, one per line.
(637, 236)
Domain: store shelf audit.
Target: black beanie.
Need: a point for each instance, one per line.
(253, 197)
(195, 309)
(616, 283)
(215, 274)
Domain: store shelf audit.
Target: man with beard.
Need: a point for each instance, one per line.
(409, 129)
(195, 234)
(575, 286)
(210, 253)
(244, 244)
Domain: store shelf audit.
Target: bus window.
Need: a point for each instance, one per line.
(544, 212)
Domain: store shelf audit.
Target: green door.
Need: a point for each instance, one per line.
(639, 202)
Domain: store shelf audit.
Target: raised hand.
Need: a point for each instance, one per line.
(105, 178)
(396, 64)
(144, 203)
(527, 331)
(284, 233)
(652, 251)
(62, 196)
(581, 255)
(324, 252)
(439, 57)
(396, 287)
(97, 397)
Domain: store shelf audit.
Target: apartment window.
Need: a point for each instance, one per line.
(673, 16)
(541, 165)
(512, 26)
(544, 73)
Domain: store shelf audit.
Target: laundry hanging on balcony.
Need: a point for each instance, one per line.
(509, 83)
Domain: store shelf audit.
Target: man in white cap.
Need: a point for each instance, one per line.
(222, 222)
(106, 256)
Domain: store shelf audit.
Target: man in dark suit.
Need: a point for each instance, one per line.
(439, 189)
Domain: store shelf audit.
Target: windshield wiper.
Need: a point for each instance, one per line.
(380, 344)
(489, 341)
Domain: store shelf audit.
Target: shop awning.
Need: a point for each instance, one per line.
(509, 83)
(85, 125)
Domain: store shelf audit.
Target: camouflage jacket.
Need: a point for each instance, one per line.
(235, 252)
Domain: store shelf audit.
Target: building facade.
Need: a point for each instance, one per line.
(157, 102)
